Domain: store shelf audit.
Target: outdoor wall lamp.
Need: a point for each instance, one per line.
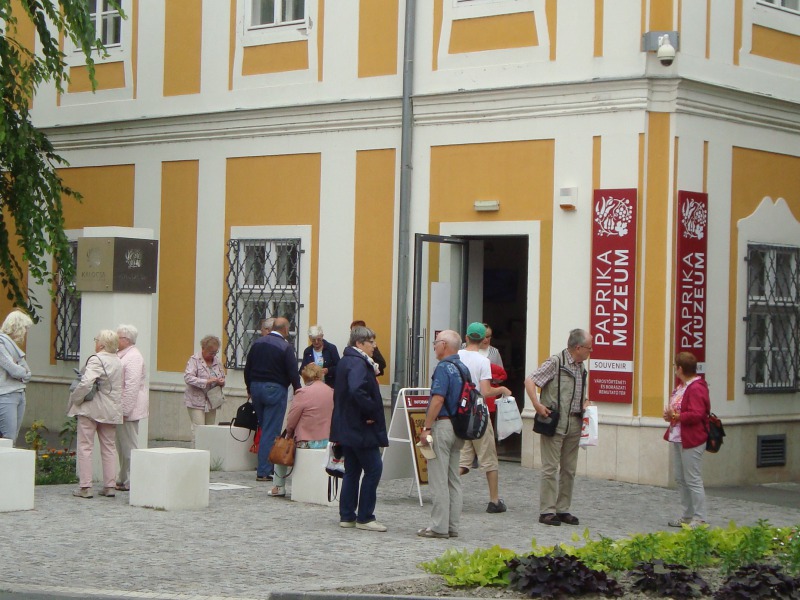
(486, 205)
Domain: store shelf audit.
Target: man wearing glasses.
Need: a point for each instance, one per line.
(562, 379)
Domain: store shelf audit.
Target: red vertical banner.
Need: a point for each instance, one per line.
(692, 269)
(613, 298)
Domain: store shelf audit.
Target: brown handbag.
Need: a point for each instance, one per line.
(282, 452)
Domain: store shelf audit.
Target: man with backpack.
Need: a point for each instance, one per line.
(562, 379)
(484, 448)
(443, 478)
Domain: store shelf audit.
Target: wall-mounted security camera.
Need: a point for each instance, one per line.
(666, 51)
(664, 43)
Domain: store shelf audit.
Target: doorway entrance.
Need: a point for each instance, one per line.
(463, 278)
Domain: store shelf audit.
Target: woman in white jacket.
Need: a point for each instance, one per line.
(135, 401)
(101, 414)
(14, 373)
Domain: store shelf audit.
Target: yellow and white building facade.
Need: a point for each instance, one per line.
(262, 141)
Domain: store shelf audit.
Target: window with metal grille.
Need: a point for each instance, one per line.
(68, 315)
(263, 281)
(772, 363)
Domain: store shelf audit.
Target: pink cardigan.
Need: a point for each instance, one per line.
(695, 408)
(135, 398)
(309, 418)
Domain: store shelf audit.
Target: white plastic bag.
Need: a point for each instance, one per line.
(590, 427)
(508, 418)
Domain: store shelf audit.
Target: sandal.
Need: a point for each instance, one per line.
(430, 533)
(277, 492)
(463, 470)
(123, 488)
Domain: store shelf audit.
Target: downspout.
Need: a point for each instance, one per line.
(404, 242)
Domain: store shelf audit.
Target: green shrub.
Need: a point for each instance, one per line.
(479, 568)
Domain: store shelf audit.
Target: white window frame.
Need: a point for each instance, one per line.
(782, 5)
(115, 52)
(259, 34)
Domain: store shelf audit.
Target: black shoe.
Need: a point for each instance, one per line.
(550, 519)
(498, 507)
(568, 518)
(265, 478)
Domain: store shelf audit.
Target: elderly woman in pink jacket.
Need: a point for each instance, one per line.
(135, 401)
(309, 419)
(101, 414)
(203, 371)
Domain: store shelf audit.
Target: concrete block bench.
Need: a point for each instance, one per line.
(18, 474)
(227, 453)
(6, 443)
(309, 479)
(170, 478)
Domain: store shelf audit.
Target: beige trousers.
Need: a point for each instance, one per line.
(127, 440)
(199, 417)
(559, 456)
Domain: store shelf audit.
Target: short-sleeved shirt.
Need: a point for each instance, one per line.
(548, 371)
(447, 382)
(479, 366)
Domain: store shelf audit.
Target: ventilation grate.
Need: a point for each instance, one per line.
(771, 451)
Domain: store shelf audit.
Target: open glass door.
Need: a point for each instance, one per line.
(440, 297)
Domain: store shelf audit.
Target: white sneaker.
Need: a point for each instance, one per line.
(679, 522)
(347, 524)
(371, 526)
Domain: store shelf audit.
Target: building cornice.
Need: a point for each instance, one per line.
(669, 95)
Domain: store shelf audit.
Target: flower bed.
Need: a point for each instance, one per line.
(56, 467)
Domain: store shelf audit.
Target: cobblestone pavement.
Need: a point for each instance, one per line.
(248, 545)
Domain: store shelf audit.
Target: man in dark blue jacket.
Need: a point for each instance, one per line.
(270, 369)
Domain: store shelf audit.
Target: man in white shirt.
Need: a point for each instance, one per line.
(484, 448)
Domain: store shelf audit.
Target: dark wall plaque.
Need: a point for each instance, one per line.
(117, 265)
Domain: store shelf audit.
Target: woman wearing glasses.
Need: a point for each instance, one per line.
(359, 427)
(321, 352)
(203, 371)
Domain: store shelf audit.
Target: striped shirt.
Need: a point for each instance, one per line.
(547, 372)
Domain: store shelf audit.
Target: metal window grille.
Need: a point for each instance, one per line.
(772, 362)
(67, 316)
(263, 281)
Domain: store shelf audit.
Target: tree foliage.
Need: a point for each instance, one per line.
(31, 191)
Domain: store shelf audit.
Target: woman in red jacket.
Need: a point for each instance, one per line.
(687, 415)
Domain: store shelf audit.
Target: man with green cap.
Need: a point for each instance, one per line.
(484, 448)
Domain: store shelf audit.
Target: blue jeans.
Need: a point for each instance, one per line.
(357, 461)
(269, 400)
(12, 409)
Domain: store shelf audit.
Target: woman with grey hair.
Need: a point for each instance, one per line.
(14, 373)
(101, 414)
(359, 427)
(203, 371)
(135, 401)
(322, 353)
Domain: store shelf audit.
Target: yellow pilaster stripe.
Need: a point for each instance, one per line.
(372, 273)
(652, 362)
(661, 12)
(598, 27)
(438, 19)
(377, 37)
(708, 28)
(182, 46)
(177, 257)
(597, 150)
(552, 25)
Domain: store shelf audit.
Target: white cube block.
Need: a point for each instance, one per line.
(227, 452)
(309, 478)
(17, 474)
(6, 443)
(169, 478)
